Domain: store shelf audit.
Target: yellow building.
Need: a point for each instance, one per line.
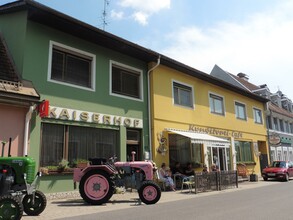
(199, 119)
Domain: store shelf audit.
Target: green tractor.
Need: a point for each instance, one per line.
(18, 192)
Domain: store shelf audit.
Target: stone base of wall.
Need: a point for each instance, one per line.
(63, 195)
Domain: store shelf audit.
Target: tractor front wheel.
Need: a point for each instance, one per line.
(10, 208)
(34, 205)
(96, 187)
(149, 192)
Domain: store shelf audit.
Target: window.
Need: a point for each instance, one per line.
(244, 152)
(269, 122)
(240, 111)
(257, 115)
(71, 66)
(287, 127)
(291, 128)
(281, 125)
(182, 95)
(276, 124)
(76, 142)
(217, 104)
(126, 81)
(181, 150)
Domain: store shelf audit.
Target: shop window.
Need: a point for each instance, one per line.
(71, 66)
(244, 151)
(126, 81)
(75, 142)
(181, 150)
(257, 116)
(240, 111)
(182, 95)
(216, 104)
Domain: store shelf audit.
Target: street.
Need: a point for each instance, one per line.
(272, 201)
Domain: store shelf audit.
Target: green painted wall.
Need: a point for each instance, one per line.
(13, 29)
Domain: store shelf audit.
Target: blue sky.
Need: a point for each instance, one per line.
(249, 36)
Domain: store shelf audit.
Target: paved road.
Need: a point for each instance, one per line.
(242, 203)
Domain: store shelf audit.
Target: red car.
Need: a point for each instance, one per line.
(278, 170)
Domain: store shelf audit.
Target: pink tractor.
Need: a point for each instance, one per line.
(99, 180)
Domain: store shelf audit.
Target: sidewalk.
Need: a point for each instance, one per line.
(73, 205)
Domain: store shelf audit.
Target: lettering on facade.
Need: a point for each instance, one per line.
(216, 132)
(92, 117)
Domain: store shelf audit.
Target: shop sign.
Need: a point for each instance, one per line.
(92, 117)
(274, 139)
(216, 132)
(43, 108)
(286, 140)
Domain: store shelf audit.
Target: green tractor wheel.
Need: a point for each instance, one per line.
(10, 208)
(34, 206)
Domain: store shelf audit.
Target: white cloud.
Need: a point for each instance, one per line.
(142, 10)
(141, 17)
(117, 15)
(261, 47)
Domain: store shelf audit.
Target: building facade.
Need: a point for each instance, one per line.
(279, 114)
(200, 119)
(94, 84)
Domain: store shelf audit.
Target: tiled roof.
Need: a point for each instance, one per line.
(12, 88)
(7, 70)
(279, 110)
(245, 83)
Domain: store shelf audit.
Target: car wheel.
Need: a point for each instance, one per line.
(287, 177)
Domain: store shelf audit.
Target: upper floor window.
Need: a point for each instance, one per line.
(276, 125)
(182, 95)
(217, 104)
(287, 129)
(257, 115)
(240, 111)
(71, 66)
(126, 81)
(282, 125)
(269, 122)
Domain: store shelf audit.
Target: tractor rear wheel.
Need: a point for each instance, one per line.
(149, 192)
(10, 208)
(96, 187)
(34, 206)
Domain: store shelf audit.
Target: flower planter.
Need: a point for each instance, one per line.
(82, 164)
(253, 178)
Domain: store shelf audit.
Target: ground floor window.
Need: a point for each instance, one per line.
(282, 153)
(183, 151)
(75, 142)
(244, 151)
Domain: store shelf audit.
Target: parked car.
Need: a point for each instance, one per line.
(278, 170)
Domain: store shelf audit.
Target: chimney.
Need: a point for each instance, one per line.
(243, 76)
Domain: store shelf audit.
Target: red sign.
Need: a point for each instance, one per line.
(44, 108)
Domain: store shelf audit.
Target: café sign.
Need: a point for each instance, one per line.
(274, 139)
(93, 117)
(216, 132)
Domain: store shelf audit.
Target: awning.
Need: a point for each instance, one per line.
(200, 138)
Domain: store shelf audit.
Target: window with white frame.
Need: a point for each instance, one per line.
(240, 110)
(182, 94)
(276, 124)
(71, 66)
(126, 81)
(257, 116)
(216, 104)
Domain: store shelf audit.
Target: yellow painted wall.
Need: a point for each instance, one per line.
(165, 114)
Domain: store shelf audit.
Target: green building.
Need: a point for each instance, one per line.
(96, 85)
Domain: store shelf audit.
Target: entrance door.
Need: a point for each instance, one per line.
(219, 157)
(134, 148)
(133, 144)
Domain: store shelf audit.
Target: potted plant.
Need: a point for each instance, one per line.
(81, 163)
(63, 164)
(253, 177)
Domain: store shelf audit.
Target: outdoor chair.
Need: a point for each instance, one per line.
(189, 182)
(160, 180)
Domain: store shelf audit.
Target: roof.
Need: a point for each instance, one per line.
(279, 110)
(12, 87)
(245, 83)
(47, 16)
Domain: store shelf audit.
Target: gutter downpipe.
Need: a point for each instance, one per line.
(149, 106)
(26, 129)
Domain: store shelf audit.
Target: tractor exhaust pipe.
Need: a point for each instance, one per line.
(3, 146)
(9, 148)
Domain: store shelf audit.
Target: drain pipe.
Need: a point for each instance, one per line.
(26, 129)
(149, 106)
